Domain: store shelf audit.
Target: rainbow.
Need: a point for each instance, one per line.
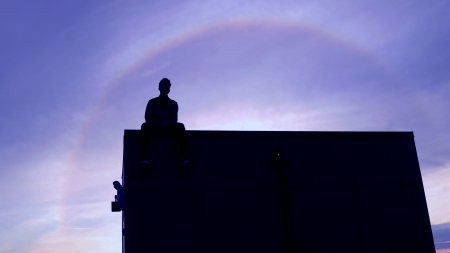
(170, 43)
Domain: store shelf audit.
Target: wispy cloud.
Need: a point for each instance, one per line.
(262, 65)
(441, 234)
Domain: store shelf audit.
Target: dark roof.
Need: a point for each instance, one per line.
(278, 134)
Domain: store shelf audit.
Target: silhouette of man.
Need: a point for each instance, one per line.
(162, 113)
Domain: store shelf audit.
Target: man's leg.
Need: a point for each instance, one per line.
(146, 131)
(179, 132)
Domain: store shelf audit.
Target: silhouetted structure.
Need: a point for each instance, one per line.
(257, 191)
(118, 203)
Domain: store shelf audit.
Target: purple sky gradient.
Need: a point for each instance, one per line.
(74, 75)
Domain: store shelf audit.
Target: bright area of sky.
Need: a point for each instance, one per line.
(75, 74)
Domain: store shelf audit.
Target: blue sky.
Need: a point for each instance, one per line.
(75, 74)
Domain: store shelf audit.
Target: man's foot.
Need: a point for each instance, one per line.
(145, 164)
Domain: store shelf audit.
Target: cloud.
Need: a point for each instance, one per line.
(154, 70)
(24, 233)
(104, 239)
(437, 190)
(441, 234)
(305, 66)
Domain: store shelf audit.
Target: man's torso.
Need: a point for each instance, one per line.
(162, 108)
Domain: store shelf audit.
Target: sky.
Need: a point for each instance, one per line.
(75, 74)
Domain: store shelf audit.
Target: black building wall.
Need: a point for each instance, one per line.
(341, 192)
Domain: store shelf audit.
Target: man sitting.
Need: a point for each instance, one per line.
(162, 113)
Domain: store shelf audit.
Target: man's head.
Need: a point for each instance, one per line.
(164, 86)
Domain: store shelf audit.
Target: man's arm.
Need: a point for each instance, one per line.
(149, 113)
(173, 116)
